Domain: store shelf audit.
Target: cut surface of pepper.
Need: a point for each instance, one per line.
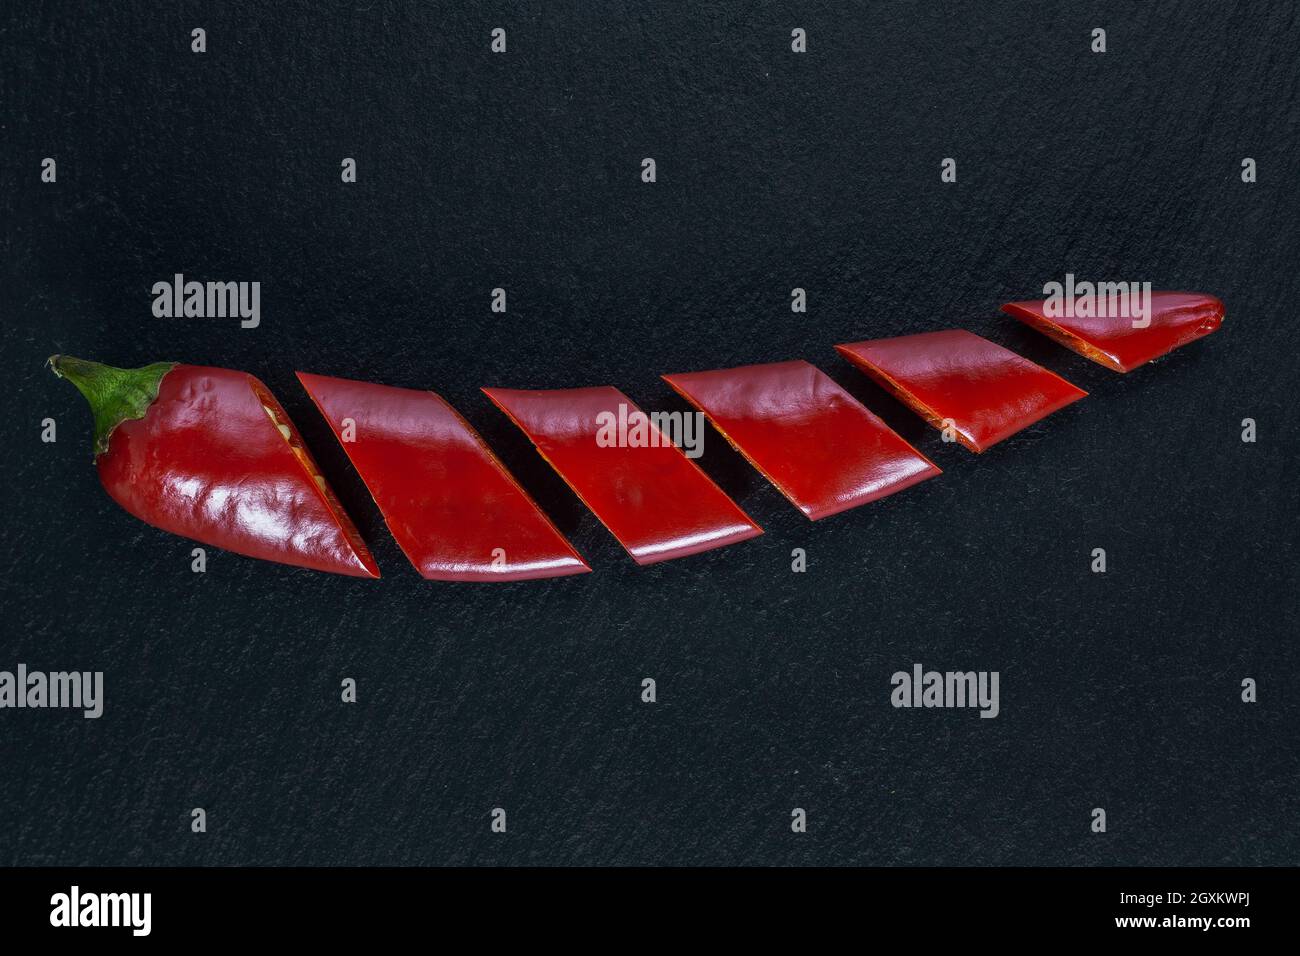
(209, 454)
(987, 393)
(651, 497)
(455, 510)
(820, 447)
(1175, 319)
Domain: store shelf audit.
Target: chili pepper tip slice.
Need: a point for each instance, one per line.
(987, 393)
(1174, 320)
(208, 453)
(820, 447)
(651, 497)
(455, 510)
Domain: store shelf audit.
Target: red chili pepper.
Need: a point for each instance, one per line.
(822, 448)
(650, 496)
(1175, 319)
(455, 510)
(209, 454)
(986, 392)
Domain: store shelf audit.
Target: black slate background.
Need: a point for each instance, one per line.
(775, 170)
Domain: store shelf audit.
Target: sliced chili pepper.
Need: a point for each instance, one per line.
(1175, 319)
(209, 454)
(650, 496)
(455, 510)
(823, 449)
(986, 392)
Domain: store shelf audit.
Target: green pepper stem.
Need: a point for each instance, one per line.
(115, 395)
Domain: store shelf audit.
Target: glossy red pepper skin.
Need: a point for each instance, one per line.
(821, 448)
(654, 499)
(1176, 318)
(988, 393)
(207, 462)
(455, 510)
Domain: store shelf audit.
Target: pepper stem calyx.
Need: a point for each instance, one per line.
(115, 395)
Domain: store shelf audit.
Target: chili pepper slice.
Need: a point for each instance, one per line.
(455, 510)
(1175, 319)
(986, 392)
(208, 453)
(815, 442)
(651, 497)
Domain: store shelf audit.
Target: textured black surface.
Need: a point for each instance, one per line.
(775, 170)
